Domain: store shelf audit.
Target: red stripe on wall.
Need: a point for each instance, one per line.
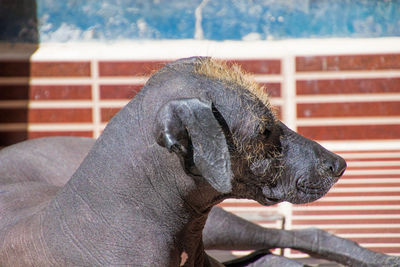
(62, 115)
(368, 185)
(34, 134)
(60, 92)
(345, 212)
(348, 62)
(346, 221)
(370, 159)
(129, 68)
(363, 194)
(346, 132)
(357, 109)
(108, 113)
(348, 86)
(370, 176)
(60, 69)
(119, 91)
(373, 168)
(259, 66)
(365, 151)
(364, 230)
(375, 239)
(377, 249)
(364, 202)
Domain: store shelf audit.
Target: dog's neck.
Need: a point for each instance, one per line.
(115, 200)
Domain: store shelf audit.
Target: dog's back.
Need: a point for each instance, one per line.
(32, 172)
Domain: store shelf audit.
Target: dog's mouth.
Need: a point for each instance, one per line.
(313, 190)
(270, 196)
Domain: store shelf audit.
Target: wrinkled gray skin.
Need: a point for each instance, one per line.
(132, 202)
(53, 160)
(243, 235)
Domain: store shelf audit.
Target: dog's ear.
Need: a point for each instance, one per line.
(188, 128)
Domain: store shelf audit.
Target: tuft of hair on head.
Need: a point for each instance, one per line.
(232, 73)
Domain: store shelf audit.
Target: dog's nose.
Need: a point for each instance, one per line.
(337, 166)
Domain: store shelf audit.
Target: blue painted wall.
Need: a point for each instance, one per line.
(301, 19)
(222, 19)
(77, 20)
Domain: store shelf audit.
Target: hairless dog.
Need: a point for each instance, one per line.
(132, 202)
(53, 160)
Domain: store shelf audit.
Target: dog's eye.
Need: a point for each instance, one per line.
(266, 132)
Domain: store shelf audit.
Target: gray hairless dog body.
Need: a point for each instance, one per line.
(51, 161)
(132, 202)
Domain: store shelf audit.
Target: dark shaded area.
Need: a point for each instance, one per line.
(19, 25)
(14, 110)
(18, 21)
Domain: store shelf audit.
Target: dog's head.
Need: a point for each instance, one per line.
(277, 164)
(230, 135)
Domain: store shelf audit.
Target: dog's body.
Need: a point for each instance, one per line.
(132, 202)
(53, 160)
